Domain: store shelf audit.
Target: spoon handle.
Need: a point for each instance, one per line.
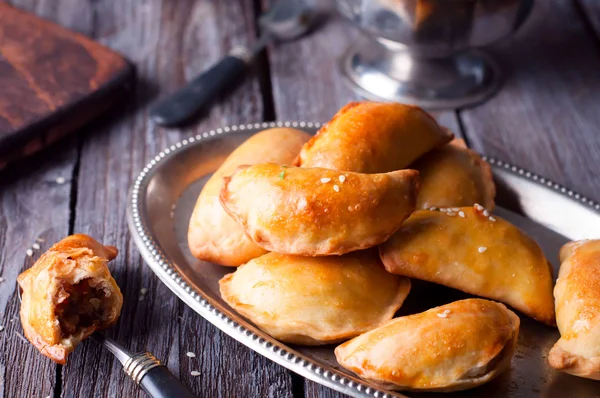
(202, 90)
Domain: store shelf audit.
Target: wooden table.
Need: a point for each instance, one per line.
(545, 119)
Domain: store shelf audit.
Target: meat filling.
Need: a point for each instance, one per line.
(79, 307)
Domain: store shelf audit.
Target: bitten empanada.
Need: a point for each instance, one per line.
(315, 300)
(454, 176)
(469, 249)
(68, 294)
(213, 235)
(316, 212)
(373, 137)
(577, 295)
(454, 347)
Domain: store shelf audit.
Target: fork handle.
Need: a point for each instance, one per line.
(158, 382)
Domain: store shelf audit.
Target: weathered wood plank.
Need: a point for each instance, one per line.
(546, 116)
(33, 205)
(170, 42)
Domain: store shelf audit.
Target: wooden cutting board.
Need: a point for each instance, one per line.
(52, 81)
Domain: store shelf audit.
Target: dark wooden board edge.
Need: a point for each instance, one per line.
(68, 119)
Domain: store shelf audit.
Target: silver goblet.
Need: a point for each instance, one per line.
(423, 51)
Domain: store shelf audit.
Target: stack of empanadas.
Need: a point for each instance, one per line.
(303, 220)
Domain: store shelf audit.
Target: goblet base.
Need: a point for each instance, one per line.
(378, 72)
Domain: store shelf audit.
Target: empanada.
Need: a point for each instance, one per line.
(213, 235)
(373, 137)
(315, 300)
(68, 294)
(316, 212)
(469, 249)
(577, 294)
(454, 347)
(454, 176)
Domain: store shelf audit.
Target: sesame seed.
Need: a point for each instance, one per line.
(478, 206)
(191, 354)
(492, 219)
(455, 209)
(336, 188)
(342, 178)
(29, 252)
(60, 180)
(443, 210)
(143, 291)
(442, 315)
(432, 208)
(482, 249)
(195, 373)
(486, 213)
(36, 246)
(447, 311)
(461, 213)
(325, 180)
(451, 213)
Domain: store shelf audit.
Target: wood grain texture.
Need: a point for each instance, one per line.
(53, 81)
(546, 116)
(170, 42)
(32, 206)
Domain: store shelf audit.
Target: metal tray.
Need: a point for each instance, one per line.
(165, 192)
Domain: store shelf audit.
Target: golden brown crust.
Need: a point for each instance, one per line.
(373, 137)
(454, 176)
(317, 212)
(213, 235)
(315, 300)
(71, 261)
(477, 253)
(577, 300)
(454, 347)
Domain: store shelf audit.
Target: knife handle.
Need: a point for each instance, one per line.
(202, 90)
(154, 377)
(158, 382)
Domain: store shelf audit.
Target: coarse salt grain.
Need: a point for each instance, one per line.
(191, 354)
(60, 180)
(342, 178)
(442, 315)
(195, 373)
(478, 206)
(36, 246)
(461, 213)
(336, 188)
(143, 291)
(482, 249)
(325, 180)
(486, 213)
(29, 252)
